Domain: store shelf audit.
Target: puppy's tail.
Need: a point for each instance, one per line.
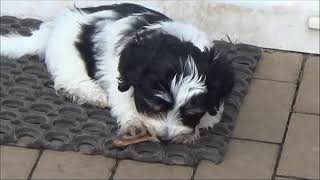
(15, 45)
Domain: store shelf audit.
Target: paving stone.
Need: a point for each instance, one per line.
(308, 96)
(281, 66)
(128, 169)
(72, 165)
(16, 163)
(264, 112)
(300, 155)
(245, 160)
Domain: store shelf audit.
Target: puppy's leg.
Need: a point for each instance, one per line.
(81, 90)
(123, 108)
(71, 79)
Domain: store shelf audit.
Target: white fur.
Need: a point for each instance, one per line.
(55, 40)
(185, 32)
(184, 87)
(15, 45)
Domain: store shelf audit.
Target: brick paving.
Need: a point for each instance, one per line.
(276, 136)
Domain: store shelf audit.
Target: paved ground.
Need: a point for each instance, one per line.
(276, 136)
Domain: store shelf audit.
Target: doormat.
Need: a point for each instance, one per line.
(33, 116)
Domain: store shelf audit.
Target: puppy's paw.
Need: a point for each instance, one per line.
(131, 128)
(102, 101)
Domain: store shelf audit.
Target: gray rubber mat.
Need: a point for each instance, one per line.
(33, 116)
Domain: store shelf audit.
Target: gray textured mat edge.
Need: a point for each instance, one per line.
(33, 116)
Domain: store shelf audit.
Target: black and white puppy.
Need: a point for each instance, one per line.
(152, 72)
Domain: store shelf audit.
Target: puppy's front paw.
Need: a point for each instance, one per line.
(103, 101)
(131, 128)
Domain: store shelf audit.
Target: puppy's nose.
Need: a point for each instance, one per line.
(166, 142)
(165, 139)
(165, 135)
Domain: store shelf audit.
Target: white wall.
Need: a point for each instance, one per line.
(271, 24)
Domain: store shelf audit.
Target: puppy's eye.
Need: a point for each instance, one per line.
(152, 105)
(194, 110)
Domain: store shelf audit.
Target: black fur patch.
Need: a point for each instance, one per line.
(220, 79)
(85, 48)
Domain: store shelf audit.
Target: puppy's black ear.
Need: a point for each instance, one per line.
(220, 79)
(131, 77)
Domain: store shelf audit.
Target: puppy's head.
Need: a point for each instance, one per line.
(174, 83)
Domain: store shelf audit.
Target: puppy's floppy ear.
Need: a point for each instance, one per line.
(131, 77)
(133, 66)
(130, 56)
(220, 79)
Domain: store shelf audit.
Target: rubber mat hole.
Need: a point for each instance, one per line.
(15, 25)
(8, 19)
(7, 115)
(28, 81)
(15, 72)
(56, 138)
(28, 98)
(48, 96)
(53, 115)
(62, 123)
(213, 144)
(75, 130)
(4, 129)
(45, 126)
(6, 65)
(58, 102)
(16, 122)
(34, 119)
(12, 103)
(23, 110)
(70, 111)
(93, 128)
(146, 153)
(177, 158)
(42, 107)
(245, 63)
(4, 76)
(99, 114)
(19, 91)
(33, 70)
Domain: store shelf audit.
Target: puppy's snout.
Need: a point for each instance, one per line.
(165, 136)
